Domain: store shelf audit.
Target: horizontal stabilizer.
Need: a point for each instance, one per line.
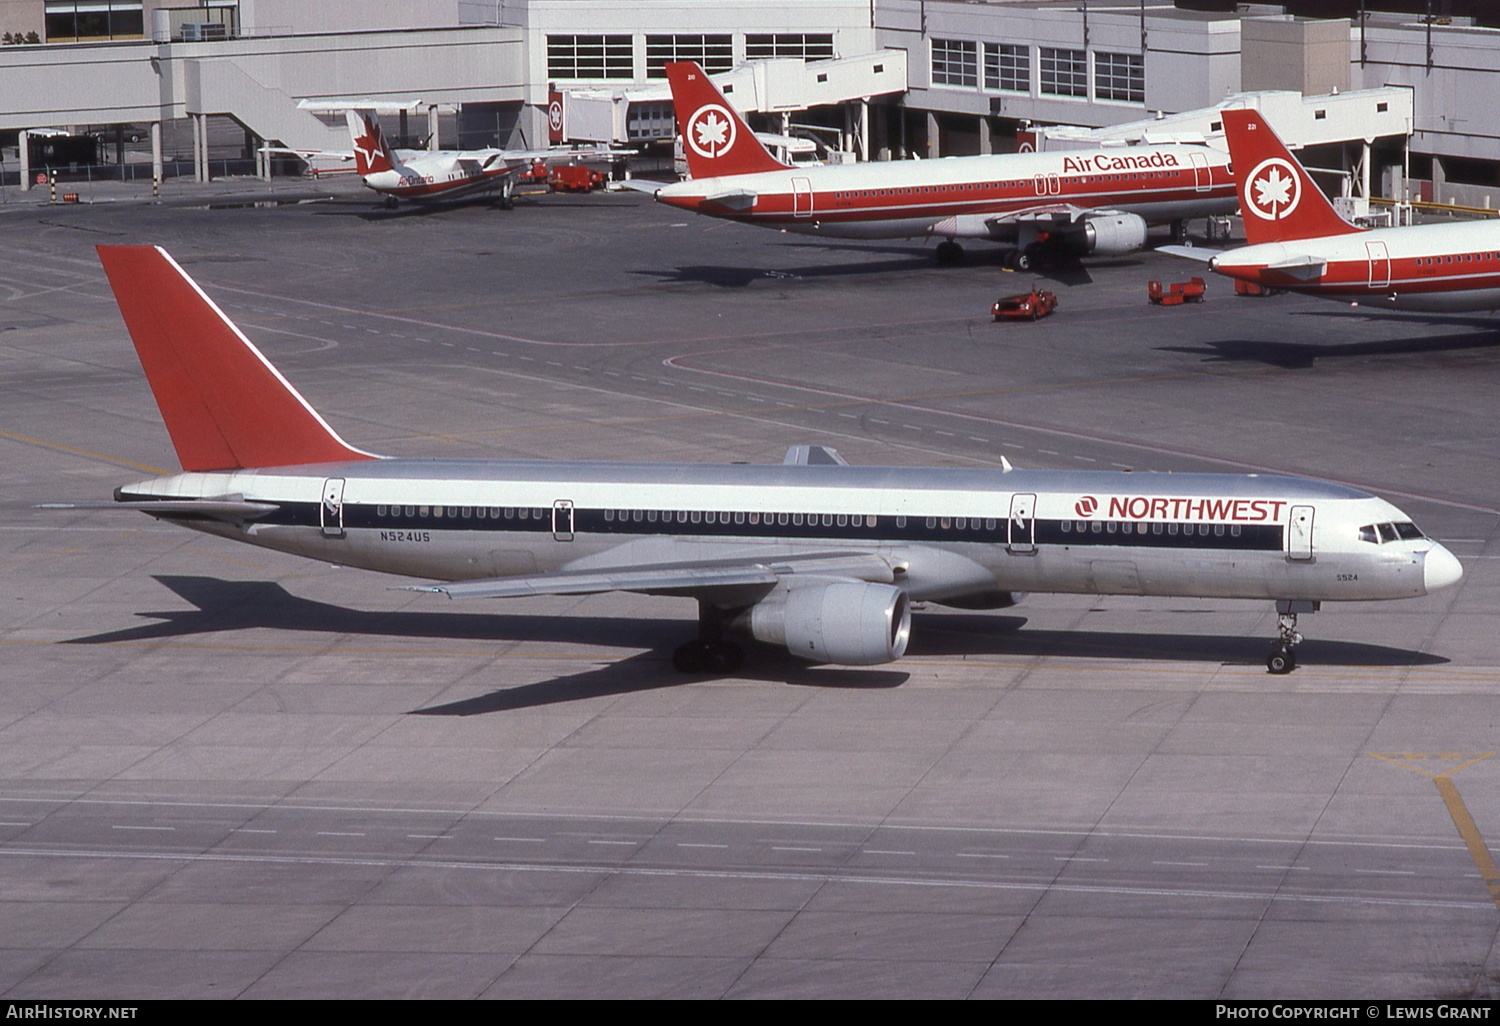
(1304, 267)
(1199, 253)
(227, 510)
(813, 456)
(734, 199)
(645, 185)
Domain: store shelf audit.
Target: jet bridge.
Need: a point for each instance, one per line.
(634, 116)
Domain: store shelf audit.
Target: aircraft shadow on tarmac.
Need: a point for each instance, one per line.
(1302, 355)
(742, 277)
(223, 606)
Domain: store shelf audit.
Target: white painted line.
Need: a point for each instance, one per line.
(252, 830)
(781, 848)
(338, 833)
(120, 827)
(687, 844)
(522, 840)
(429, 837)
(1387, 872)
(1195, 865)
(980, 855)
(631, 844)
(877, 851)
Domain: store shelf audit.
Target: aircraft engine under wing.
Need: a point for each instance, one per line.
(1081, 231)
(838, 607)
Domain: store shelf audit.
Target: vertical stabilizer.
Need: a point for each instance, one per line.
(372, 154)
(1278, 200)
(715, 139)
(224, 405)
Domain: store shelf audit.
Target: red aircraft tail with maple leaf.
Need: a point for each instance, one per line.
(715, 139)
(1278, 200)
(372, 153)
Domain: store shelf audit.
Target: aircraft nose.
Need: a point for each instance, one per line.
(1440, 569)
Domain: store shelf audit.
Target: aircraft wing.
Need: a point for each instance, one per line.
(1002, 224)
(309, 154)
(696, 577)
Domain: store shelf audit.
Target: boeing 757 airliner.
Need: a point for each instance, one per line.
(814, 555)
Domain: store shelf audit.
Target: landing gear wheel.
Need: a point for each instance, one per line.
(390, 203)
(949, 253)
(1022, 260)
(507, 196)
(717, 657)
(690, 658)
(1281, 660)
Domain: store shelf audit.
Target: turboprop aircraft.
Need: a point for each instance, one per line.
(431, 175)
(814, 555)
(1075, 202)
(1297, 241)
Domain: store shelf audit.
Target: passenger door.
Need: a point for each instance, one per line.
(1380, 264)
(1022, 538)
(1299, 533)
(331, 514)
(562, 520)
(802, 197)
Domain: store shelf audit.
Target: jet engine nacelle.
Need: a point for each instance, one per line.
(848, 622)
(1114, 234)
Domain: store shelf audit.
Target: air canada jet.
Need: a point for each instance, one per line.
(428, 175)
(1037, 205)
(1297, 241)
(814, 555)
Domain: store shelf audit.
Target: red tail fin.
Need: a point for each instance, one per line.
(371, 152)
(225, 406)
(715, 138)
(1278, 200)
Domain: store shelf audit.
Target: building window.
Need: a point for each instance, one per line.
(714, 53)
(809, 46)
(1064, 72)
(955, 62)
(72, 20)
(1007, 67)
(650, 119)
(575, 57)
(1120, 76)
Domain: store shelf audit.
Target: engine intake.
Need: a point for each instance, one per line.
(1114, 234)
(852, 623)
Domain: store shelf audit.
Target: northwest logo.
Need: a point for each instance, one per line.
(1273, 189)
(1086, 506)
(710, 131)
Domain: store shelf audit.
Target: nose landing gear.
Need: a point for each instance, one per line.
(1283, 657)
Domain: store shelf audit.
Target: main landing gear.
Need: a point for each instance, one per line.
(949, 253)
(1283, 657)
(507, 198)
(712, 652)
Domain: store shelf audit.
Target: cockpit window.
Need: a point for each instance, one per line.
(1379, 534)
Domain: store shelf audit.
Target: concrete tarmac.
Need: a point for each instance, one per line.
(226, 772)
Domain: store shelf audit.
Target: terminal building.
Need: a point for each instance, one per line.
(871, 79)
